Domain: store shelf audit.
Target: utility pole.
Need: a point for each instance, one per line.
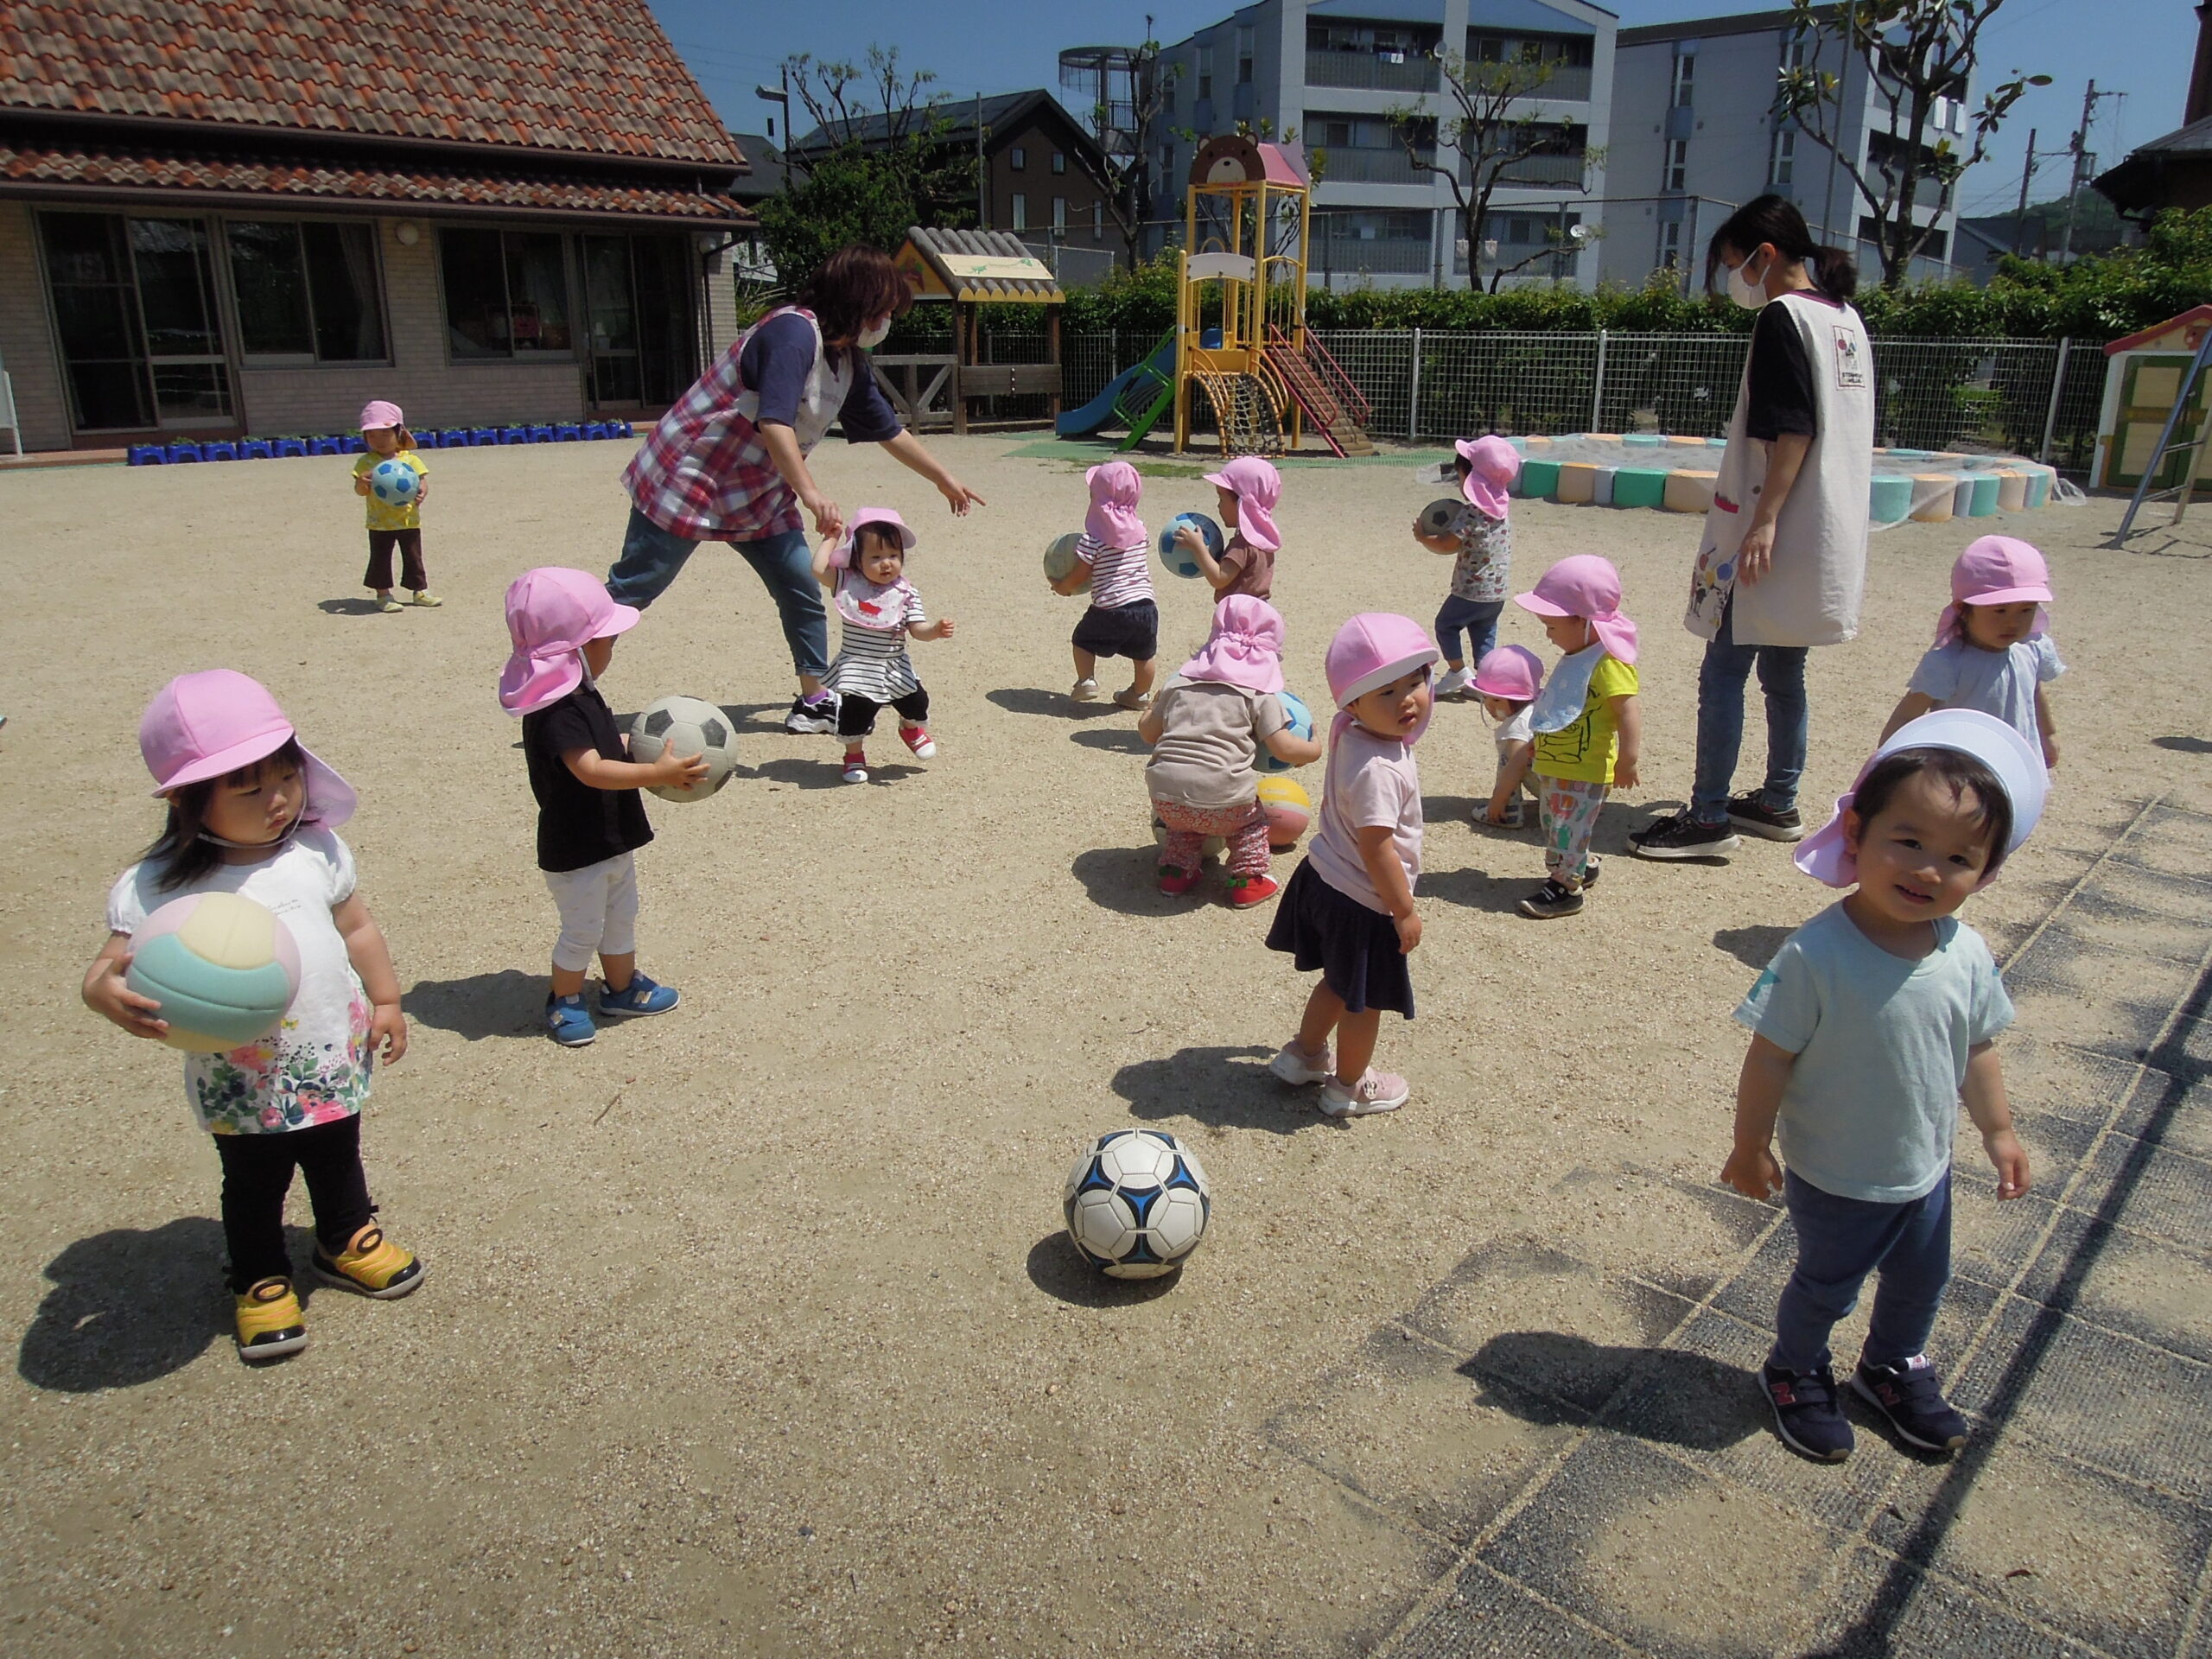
(2085, 163)
(983, 170)
(2020, 216)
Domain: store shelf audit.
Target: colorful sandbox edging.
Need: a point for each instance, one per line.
(1676, 474)
(351, 443)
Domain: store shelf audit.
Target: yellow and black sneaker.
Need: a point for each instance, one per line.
(371, 1264)
(270, 1323)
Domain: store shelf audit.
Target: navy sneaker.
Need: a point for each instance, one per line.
(1805, 1413)
(1748, 812)
(814, 715)
(639, 996)
(1682, 837)
(1553, 899)
(567, 1022)
(1911, 1397)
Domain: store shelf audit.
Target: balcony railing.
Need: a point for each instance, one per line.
(1564, 171)
(1383, 256)
(1345, 165)
(1568, 82)
(1370, 71)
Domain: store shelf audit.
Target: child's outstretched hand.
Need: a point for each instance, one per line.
(108, 995)
(1752, 1172)
(388, 1029)
(680, 771)
(2011, 1159)
(360, 485)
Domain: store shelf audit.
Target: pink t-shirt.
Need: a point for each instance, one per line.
(1370, 780)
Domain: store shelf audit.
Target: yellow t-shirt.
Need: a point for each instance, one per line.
(1584, 751)
(382, 514)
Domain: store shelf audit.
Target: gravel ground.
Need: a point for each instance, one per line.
(751, 1329)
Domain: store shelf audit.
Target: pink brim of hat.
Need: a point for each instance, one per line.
(1540, 605)
(2040, 594)
(331, 799)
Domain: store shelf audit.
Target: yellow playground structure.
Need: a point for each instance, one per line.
(1248, 223)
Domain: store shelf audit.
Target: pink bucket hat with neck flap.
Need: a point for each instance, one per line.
(552, 614)
(379, 413)
(1257, 487)
(210, 724)
(1587, 586)
(1995, 570)
(841, 550)
(1245, 647)
(1112, 521)
(1492, 464)
(1369, 651)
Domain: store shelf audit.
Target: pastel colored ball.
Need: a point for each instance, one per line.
(1060, 557)
(1289, 811)
(394, 483)
(1301, 721)
(223, 968)
(1179, 559)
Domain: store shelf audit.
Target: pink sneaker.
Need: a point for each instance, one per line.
(1293, 1064)
(1376, 1091)
(917, 739)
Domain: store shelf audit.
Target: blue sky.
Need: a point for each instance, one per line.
(2142, 48)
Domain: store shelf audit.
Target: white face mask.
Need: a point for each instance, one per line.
(1741, 289)
(874, 334)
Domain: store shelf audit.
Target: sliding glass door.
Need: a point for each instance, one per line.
(136, 315)
(638, 305)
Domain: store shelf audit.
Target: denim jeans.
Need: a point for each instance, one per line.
(1840, 1241)
(1478, 617)
(1721, 722)
(652, 556)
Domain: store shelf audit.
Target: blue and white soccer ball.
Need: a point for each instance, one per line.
(1179, 559)
(1137, 1203)
(1301, 722)
(394, 482)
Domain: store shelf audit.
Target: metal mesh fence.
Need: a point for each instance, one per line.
(1983, 395)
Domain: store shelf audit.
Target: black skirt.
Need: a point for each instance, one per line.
(1355, 948)
(1130, 631)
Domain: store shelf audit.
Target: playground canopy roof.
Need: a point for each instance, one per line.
(972, 265)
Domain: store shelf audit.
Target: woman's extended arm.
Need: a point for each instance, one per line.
(914, 455)
(782, 444)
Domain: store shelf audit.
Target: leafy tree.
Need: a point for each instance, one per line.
(1915, 52)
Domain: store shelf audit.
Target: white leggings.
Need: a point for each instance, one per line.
(598, 910)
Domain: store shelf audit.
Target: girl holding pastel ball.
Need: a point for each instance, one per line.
(1483, 565)
(1348, 908)
(253, 812)
(1247, 491)
(1113, 560)
(1992, 652)
(1206, 731)
(394, 525)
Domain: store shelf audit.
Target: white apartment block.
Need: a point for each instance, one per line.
(1694, 134)
(1333, 70)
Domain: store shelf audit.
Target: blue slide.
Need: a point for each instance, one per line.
(1159, 372)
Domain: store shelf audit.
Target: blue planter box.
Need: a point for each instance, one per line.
(541, 435)
(255, 449)
(426, 439)
(454, 438)
(594, 430)
(514, 435)
(624, 429)
(225, 450)
(567, 432)
(290, 447)
(179, 452)
(355, 444)
(326, 446)
(149, 455)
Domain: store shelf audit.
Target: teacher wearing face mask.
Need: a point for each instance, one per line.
(728, 463)
(1782, 563)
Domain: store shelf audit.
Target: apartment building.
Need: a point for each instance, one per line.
(1333, 71)
(1696, 133)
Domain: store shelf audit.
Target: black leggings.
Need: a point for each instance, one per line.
(856, 715)
(258, 1174)
(409, 542)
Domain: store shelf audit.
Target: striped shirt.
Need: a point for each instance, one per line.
(871, 663)
(1119, 576)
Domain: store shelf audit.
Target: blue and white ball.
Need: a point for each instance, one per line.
(1137, 1203)
(1301, 721)
(394, 483)
(1179, 559)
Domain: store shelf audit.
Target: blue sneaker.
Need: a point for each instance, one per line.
(568, 1022)
(640, 996)
(1911, 1397)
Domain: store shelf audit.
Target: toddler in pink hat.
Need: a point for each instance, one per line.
(251, 811)
(1246, 493)
(1507, 680)
(878, 609)
(1992, 649)
(591, 818)
(1588, 728)
(1113, 560)
(1347, 909)
(1483, 546)
(1206, 731)
(394, 525)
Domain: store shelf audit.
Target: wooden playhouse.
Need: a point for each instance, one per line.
(2143, 377)
(969, 270)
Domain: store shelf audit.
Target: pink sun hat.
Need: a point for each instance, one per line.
(1995, 570)
(840, 552)
(1115, 488)
(1257, 487)
(1371, 650)
(1493, 464)
(1587, 586)
(2019, 770)
(376, 412)
(1514, 672)
(1245, 647)
(209, 724)
(552, 614)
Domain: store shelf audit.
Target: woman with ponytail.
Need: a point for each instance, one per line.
(1782, 563)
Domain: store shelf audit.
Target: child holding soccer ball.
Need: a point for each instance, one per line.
(252, 811)
(1872, 1023)
(1246, 492)
(1483, 565)
(393, 524)
(591, 819)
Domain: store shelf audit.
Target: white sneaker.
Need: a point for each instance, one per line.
(1376, 1091)
(1453, 685)
(1293, 1064)
(1085, 691)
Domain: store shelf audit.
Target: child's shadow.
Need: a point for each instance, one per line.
(1028, 699)
(348, 607)
(1125, 879)
(1476, 889)
(801, 773)
(1229, 1088)
(1117, 739)
(130, 1307)
(505, 1004)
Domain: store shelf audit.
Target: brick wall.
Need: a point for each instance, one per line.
(27, 347)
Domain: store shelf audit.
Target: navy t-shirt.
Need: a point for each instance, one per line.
(776, 362)
(578, 824)
(1781, 384)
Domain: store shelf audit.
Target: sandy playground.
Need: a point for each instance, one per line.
(752, 1330)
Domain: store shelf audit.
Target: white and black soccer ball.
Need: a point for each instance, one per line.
(1137, 1203)
(688, 725)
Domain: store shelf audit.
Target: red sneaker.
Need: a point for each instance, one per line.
(917, 739)
(1175, 879)
(1245, 891)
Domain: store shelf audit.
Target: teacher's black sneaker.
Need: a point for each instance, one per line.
(1747, 812)
(1681, 837)
(1911, 1397)
(1805, 1413)
(1554, 898)
(812, 716)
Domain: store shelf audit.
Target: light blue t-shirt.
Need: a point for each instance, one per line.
(1872, 1102)
(2000, 683)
